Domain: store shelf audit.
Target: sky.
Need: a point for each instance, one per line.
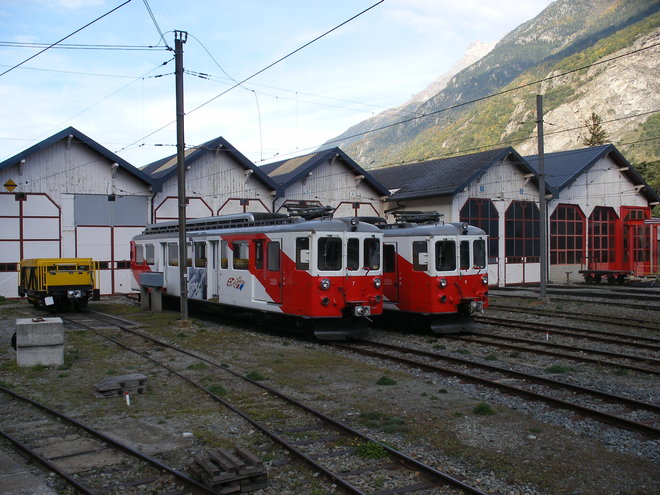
(124, 97)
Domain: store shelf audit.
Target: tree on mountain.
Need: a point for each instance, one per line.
(596, 135)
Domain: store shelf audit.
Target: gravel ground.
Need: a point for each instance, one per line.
(522, 448)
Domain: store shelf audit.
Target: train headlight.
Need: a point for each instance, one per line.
(442, 283)
(74, 294)
(325, 284)
(377, 283)
(484, 280)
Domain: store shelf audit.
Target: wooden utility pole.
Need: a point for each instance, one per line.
(542, 202)
(180, 37)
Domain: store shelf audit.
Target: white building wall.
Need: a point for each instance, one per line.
(334, 184)
(51, 178)
(212, 182)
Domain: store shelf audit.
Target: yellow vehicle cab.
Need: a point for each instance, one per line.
(59, 282)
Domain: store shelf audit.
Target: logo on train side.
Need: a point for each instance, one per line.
(236, 283)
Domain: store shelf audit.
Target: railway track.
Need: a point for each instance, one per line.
(590, 317)
(649, 344)
(565, 351)
(606, 408)
(84, 458)
(326, 444)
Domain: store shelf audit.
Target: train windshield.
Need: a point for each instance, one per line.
(329, 253)
(445, 256)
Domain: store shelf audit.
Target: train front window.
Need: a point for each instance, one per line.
(372, 254)
(445, 256)
(465, 255)
(329, 257)
(420, 256)
(353, 254)
(479, 248)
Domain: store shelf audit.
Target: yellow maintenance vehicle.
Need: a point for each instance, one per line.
(65, 283)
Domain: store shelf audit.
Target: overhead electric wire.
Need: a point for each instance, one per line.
(260, 71)
(153, 19)
(67, 36)
(77, 46)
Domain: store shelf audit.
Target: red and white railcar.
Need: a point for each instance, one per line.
(324, 273)
(434, 273)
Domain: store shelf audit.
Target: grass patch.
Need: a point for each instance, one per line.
(384, 422)
(385, 380)
(255, 375)
(371, 450)
(218, 390)
(197, 366)
(558, 369)
(483, 409)
(464, 352)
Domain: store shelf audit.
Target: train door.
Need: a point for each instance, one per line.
(197, 281)
(212, 271)
(267, 267)
(390, 282)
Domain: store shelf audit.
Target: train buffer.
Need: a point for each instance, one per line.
(229, 472)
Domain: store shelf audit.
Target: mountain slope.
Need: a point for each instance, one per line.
(567, 35)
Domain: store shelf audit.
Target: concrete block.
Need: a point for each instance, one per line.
(134, 383)
(39, 332)
(39, 342)
(40, 356)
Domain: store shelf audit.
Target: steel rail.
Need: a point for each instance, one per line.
(647, 430)
(480, 338)
(401, 457)
(45, 463)
(599, 335)
(191, 483)
(581, 316)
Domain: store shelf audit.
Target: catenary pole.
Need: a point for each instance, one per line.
(542, 202)
(180, 37)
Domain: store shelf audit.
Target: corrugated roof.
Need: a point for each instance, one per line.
(444, 176)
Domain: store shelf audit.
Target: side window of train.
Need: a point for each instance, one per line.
(139, 253)
(172, 254)
(465, 255)
(389, 258)
(241, 250)
(329, 258)
(149, 254)
(259, 254)
(353, 254)
(224, 258)
(302, 253)
(372, 254)
(420, 256)
(189, 254)
(445, 256)
(273, 261)
(479, 248)
(200, 254)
